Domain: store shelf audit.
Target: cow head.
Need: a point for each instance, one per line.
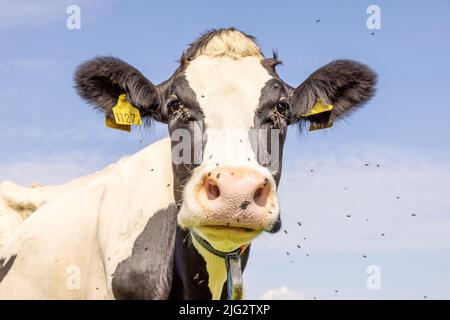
(227, 111)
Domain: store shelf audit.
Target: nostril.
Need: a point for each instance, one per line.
(261, 195)
(212, 190)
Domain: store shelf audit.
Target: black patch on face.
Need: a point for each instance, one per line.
(270, 124)
(189, 118)
(147, 273)
(5, 266)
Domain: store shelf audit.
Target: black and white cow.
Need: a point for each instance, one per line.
(140, 229)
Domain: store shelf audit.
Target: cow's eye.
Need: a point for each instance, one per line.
(174, 105)
(282, 107)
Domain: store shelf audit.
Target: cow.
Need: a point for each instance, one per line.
(161, 223)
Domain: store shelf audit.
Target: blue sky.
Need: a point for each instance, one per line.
(50, 136)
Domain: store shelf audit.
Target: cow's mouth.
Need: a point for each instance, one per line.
(228, 229)
(227, 238)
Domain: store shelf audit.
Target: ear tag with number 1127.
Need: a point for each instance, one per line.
(125, 113)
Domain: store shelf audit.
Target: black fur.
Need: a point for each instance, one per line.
(190, 118)
(345, 84)
(270, 64)
(101, 80)
(147, 273)
(268, 116)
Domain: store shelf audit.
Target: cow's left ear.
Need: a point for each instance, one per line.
(344, 84)
(102, 80)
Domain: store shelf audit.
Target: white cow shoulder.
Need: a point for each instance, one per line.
(84, 228)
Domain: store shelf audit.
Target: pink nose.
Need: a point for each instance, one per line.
(230, 184)
(235, 196)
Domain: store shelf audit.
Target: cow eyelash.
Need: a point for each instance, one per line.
(174, 105)
(176, 109)
(280, 114)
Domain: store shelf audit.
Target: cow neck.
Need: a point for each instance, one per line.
(215, 267)
(199, 269)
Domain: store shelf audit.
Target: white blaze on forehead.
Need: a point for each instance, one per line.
(228, 91)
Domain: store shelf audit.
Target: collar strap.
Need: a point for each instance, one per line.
(222, 254)
(232, 259)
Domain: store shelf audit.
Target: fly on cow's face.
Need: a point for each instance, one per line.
(278, 119)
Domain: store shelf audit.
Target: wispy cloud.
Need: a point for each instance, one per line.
(52, 169)
(282, 293)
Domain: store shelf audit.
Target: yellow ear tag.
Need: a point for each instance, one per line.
(125, 113)
(111, 123)
(320, 107)
(320, 110)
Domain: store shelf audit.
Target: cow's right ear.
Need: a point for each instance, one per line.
(343, 85)
(102, 80)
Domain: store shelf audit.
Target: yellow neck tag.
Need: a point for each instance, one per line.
(125, 113)
(111, 123)
(320, 107)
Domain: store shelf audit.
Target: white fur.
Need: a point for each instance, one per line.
(92, 227)
(230, 43)
(13, 196)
